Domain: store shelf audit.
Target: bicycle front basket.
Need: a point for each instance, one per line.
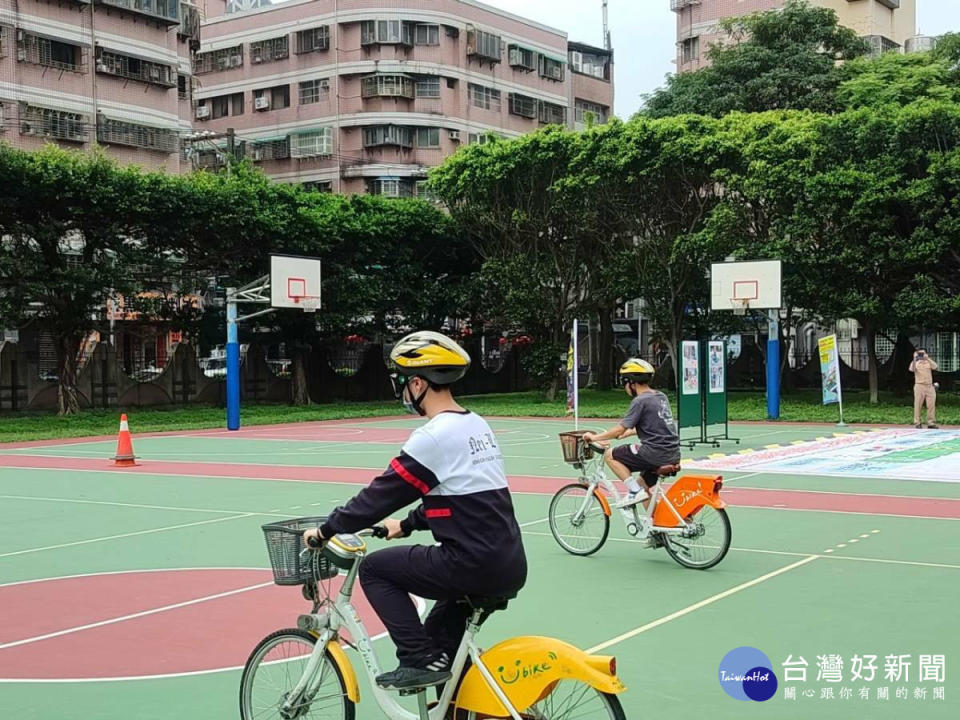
(574, 449)
(292, 566)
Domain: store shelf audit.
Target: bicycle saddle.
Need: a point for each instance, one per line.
(668, 470)
(488, 603)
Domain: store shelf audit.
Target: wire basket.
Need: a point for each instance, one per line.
(575, 450)
(292, 566)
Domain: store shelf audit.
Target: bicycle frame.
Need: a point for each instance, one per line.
(597, 478)
(342, 614)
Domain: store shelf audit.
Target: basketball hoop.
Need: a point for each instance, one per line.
(308, 303)
(740, 306)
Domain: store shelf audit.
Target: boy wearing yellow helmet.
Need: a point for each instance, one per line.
(650, 418)
(452, 467)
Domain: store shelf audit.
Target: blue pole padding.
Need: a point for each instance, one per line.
(233, 367)
(773, 366)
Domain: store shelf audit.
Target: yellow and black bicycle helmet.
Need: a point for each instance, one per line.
(636, 370)
(430, 355)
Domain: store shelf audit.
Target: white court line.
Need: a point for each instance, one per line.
(787, 553)
(132, 616)
(130, 505)
(534, 522)
(703, 603)
(124, 535)
(126, 572)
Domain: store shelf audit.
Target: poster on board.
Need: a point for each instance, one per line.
(690, 365)
(829, 369)
(715, 366)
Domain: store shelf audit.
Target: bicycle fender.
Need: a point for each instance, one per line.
(604, 503)
(527, 669)
(688, 494)
(339, 658)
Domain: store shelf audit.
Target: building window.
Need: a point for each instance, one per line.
(391, 187)
(58, 124)
(484, 97)
(273, 98)
(428, 137)
(224, 105)
(321, 186)
(183, 87)
(428, 87)
(481, 138)
(523, 105)
(387, 135)
(880, 44)
(313, 91)
(263, 51)
(426, 34)
(132, 68)
(218, 60)
(689, 50)
(551, 69)
(387, 86)
(551, 114)
(522, 58)
(277, 149)
(588, 63)
(120, 132)
(424, 192)
(484, 46)
(50, 53)
(168, 10)
(385, 32)
(312, 143)
(587, 112)
(313, 40)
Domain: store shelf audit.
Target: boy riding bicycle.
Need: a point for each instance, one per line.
(453, 467)
(649, 418)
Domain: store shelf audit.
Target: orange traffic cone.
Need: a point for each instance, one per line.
(124, 456)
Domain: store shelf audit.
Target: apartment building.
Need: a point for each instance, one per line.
(886, 24)
(357, 96)
(114, 73)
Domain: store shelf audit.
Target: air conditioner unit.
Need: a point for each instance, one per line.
(20, 36)
(25, 129)
(223, 63)
(576, 60)
(256, 57)
(154, 72)
(257, 154)
(516, 56)
(455, 135)
(261, 103)
(21, 55)
(203, 112)
(102, 66)
(236, 61)
(556, 72)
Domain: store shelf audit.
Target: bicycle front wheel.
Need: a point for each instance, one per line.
(709, 541)
(273, 671)
(571, 700)
(577, 520)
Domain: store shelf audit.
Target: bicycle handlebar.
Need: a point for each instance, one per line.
(377, 531)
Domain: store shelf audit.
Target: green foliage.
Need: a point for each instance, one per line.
(774, 61)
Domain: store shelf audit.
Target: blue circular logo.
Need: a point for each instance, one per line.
(746, 674)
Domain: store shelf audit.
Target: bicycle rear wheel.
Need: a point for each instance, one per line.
(708, 546)
(579, 533)
(571, 700)
(272, 672)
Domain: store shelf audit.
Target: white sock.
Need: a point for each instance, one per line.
(632, 485)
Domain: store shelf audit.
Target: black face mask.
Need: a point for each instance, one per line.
(412, 405)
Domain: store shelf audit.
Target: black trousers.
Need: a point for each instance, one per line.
(390, 576)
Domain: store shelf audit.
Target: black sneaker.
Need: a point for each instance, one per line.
(933, 427)
(918, 426)
(406, 677)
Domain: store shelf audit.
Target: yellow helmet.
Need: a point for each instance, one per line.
(432, 356)
(636, 370)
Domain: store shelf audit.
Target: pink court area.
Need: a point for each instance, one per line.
(145, 623)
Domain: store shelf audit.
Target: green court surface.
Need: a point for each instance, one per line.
(820, 566)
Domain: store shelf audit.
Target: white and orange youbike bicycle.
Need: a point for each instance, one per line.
(303, 672)
(687, 519)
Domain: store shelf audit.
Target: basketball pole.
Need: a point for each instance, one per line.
(257, 292)
(773, 364)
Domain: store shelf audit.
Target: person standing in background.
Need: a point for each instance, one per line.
(924, 391)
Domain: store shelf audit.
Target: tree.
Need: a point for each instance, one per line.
(895, 79)
(72, 234)
(774, 61)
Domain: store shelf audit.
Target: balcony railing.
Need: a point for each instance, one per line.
(678, 5)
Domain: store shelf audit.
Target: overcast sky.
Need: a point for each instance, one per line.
(644, 32)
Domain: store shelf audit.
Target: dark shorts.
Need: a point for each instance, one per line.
(645, 460)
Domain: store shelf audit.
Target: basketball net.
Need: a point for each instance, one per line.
(308, 303)
(740, 307)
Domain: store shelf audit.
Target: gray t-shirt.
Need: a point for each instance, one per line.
(650, 414)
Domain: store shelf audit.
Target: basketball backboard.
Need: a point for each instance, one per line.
(294, 282)
(754, 285)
